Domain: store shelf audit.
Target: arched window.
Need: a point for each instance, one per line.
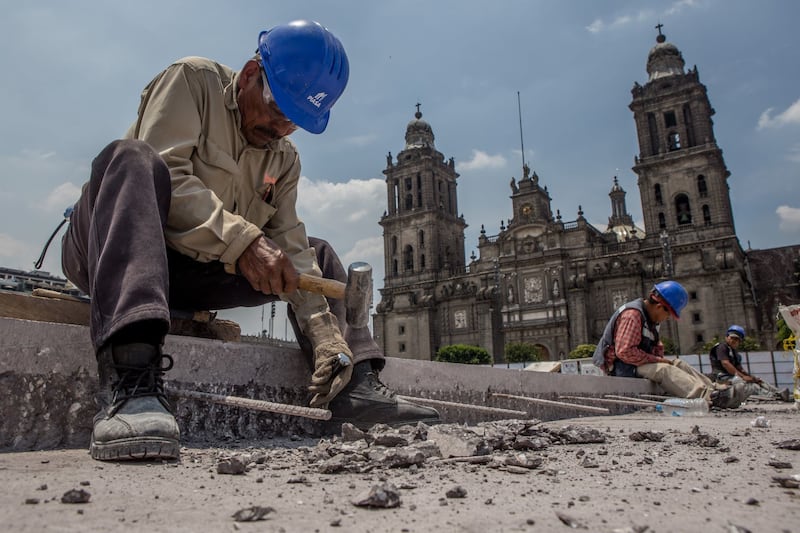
(409, 202)
(683, 212)
(657, 192)
(706, 215)
(408, 258)
(422, 262)
(394, 267)
(421, 238)
(394, 245)
(662, 221)
(702, 188)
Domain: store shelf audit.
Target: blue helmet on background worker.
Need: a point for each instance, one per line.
(673, 295)
(307, 70)
(736, 331)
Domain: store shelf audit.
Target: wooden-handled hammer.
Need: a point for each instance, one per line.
(356, 293)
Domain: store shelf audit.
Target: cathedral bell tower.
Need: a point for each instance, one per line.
(422, 231)
(423, 246)
(682, 175)
(683, 182)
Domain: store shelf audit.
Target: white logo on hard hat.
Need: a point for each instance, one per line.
(317, 99)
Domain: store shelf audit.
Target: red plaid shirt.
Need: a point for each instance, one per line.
(627, 336)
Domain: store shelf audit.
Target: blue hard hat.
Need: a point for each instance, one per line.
(737, 330)
(673, 294)
(307, 70)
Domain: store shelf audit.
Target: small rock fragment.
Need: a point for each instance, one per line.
(653, 436)
(457, 441)
(570, 521)
(456, 492)
(791, 444)
(76, 496)
(787, 482)
(384, 496)
(351, 433)
(252, 514)
(231, 465)
(780, 465)
(589, 462)
(579, 435)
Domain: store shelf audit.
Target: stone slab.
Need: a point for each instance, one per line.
(48, 376)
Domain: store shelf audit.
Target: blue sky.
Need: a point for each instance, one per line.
(73, 72)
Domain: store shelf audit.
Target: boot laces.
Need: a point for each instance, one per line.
(377, 385)
(138, 382)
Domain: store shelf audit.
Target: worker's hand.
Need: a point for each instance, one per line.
(750, 379)
(333, 360)
(666, 361)
(268, 268)
(333, 368)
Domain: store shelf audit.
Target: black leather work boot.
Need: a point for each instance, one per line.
(134, 421)
(366, 401)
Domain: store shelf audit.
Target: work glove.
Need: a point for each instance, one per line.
(333, 360)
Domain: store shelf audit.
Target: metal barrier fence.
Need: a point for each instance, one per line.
(776, 368)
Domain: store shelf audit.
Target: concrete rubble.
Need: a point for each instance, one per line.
(554, 470)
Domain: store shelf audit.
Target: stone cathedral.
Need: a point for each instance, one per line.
(554, 283)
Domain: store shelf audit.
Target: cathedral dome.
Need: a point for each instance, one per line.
(418, 132)
(664, 59)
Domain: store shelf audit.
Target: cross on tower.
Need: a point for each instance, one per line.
(658, 27)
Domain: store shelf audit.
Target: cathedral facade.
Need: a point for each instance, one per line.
(554, 283)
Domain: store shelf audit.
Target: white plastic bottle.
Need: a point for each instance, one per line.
(683, 407)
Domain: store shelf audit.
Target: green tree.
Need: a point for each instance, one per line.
(784, 331)
(749, 344)
(582, 351)
(670, 346)
(463, 353)
(522, 352)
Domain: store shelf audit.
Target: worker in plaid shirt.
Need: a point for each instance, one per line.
(631, 347)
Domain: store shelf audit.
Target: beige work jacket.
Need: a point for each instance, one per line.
(225, 192)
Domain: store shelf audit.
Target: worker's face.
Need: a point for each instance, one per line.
(660, 313)
(262, 120)
(733, 340)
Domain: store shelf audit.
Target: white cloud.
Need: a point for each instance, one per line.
(352, 200)
(360, 140)
(345, 215)
(481, 160)
(789, 218)
(599, 25)
(61, 197)
(678, 6)
(11, 250)
(369, 250)
(790, 116)
(596, 26)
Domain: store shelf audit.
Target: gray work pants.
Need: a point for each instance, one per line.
(114, 251)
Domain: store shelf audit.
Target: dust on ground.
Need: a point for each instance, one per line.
(729, 471)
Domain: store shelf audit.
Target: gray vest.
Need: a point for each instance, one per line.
(649, 334)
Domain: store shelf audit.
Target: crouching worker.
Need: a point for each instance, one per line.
(630, 347)
(195, 209)
(726, 366)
